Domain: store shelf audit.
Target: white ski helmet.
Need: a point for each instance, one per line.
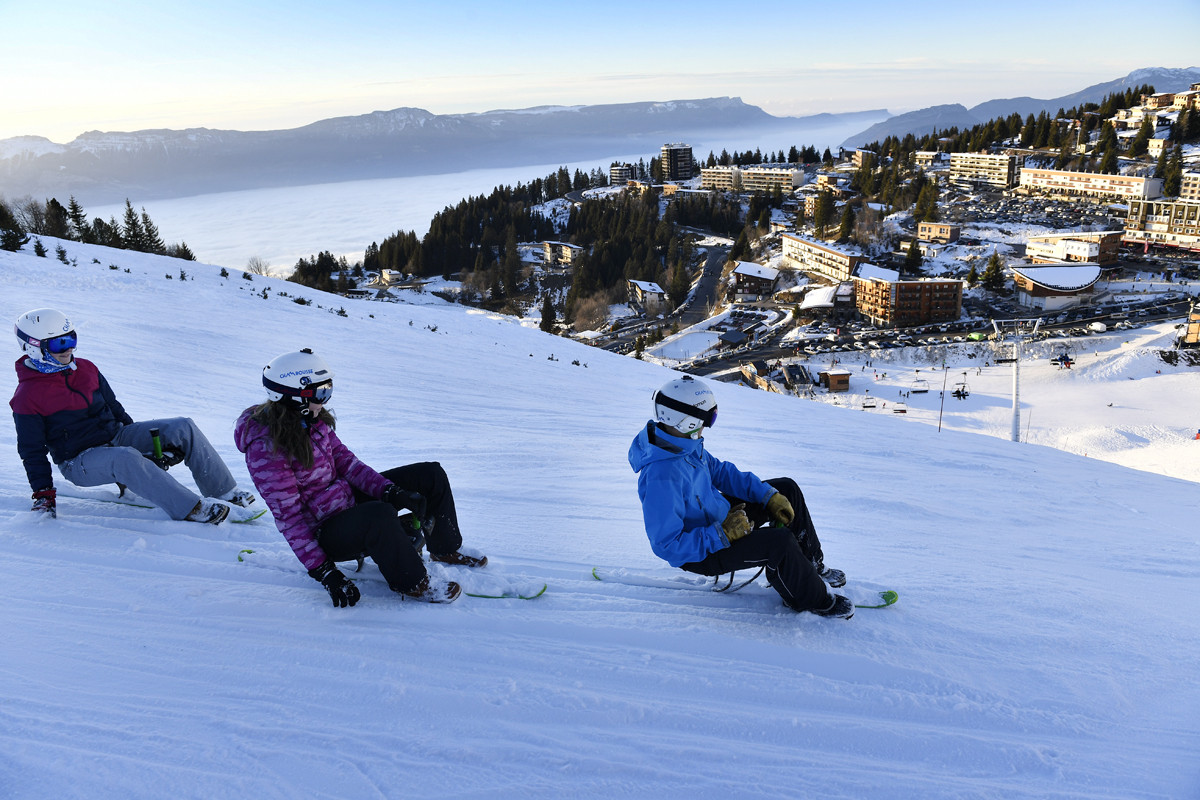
(685, 404)
(300, 377)
(43, 331)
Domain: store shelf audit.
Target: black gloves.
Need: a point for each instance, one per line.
(341, 591)
(43, 500)
(402, 499)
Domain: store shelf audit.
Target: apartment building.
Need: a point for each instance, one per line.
(1189, 187)
(813, 255)
(767, 177)
(938, 232)
(650, 296)
(1098, 185)
(1096, 247)
(754, 178)
(621, 174)
(884, 299)
(677, 162)
(1164, 223)
(560, 254)
(983, 170)
(721, 178)
(752, 281)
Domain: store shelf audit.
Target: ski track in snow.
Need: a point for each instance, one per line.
(1043, 646)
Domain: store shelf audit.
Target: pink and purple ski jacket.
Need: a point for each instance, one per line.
(302, 498)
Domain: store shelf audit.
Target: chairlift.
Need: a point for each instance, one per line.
(919, 386)
(900, 408)
(868, 402)
(961, 390)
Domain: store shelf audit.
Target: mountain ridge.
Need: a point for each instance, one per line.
(101, 166)
(926, 120)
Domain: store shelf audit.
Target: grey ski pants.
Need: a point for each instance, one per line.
(121, 461)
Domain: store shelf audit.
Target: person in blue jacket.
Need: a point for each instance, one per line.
(63, 407)
(706, 516)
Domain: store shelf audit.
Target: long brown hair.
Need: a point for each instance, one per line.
(288, 432)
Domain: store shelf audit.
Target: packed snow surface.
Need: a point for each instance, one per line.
(1044, 645)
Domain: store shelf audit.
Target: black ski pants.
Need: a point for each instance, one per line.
(373, 527)
(792, 556)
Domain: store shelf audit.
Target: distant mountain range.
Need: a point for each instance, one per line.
(100, 168)
(938, 118)
(108, 167)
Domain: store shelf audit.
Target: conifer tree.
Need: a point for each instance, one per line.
(80, 230)
(1141, 142)
(993, 273)
(1173, 176)
(548, 320)
(847, 225)
(132, 234)
(1108, 164)
(912, 259)
(152, 242)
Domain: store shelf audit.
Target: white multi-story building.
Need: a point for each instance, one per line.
(753, 178)
(621, 174)
(1088, 184)
(997, 171)
(813, 255)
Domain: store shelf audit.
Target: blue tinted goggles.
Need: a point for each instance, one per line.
(61, 344)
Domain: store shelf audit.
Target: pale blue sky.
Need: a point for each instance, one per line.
(72, 66)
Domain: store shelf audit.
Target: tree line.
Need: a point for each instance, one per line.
(136, 231)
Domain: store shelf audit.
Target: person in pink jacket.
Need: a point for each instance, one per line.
(332, 507)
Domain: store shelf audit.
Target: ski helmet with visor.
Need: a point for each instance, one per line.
(301, 378)
(43, 333)
(687, 405)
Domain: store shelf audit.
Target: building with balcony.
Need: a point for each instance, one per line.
(721, 178)
(1097, 185)
(1163, 223)
(983, 170)
(754, 178)
(1189, 187)
(767, 177)
(752, 281)
(677, 162)
(812, 255)
(560, 254)
(621, 174)
(648, 295)
(1096, 247)
(883, 298)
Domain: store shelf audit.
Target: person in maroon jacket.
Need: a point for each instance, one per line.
(64, 407)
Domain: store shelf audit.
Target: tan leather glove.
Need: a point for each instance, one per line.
(780, 510)
(737, 524)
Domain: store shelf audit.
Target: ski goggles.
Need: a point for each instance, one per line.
(61, 344)
(57, 344)
(312, 393)
(319, 393)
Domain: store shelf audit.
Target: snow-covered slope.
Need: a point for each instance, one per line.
(1044, 644)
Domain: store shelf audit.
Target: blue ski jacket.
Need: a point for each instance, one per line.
(681, 486)
(63, 414)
